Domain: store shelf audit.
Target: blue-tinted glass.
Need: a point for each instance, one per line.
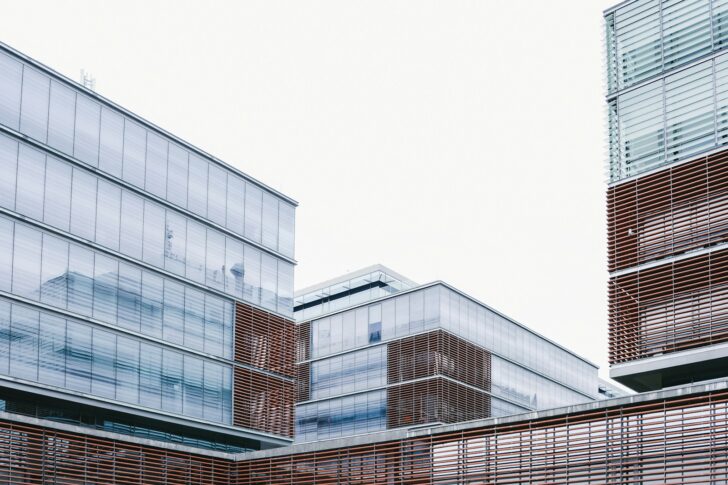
(216, 194)
(57, 210)
(130, 296)
(31, 178)
(5, 335)
(127, 370)
(80, 280)
(175, 245)
(213, 325)
(177, 175)
(156, 168)
(174, 316)
(227, 324)
(8, 168)
(112, 142)
(24, 343)
(150, 376)
(253, 211)
(286, 228)
(235, 207)
(54, 273)
(251, 288)
(215, 260)
(103, 372)
(269, 281)
(172, 381)
(61, 116)
(108, 221)
(152, 292)
(86, 141)
(212, 393)
(6, 253)
(193, 375)
(135, 143)
(106, 283)
(52, 350)
(234, 264)
(197, 194)
(26, 262)
(78, 357)
(227, 394)
(34, 106)
(132, 224)
(375, 323)
(154, 237)
(196, 242)
(270, 221)
(194, 319)
(11, 75)
(83, 204)
(285, 288)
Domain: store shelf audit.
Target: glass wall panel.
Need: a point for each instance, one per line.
(270, 221)
(8, 167)
(216, 195)
(253, 212)
(132, 220)
(338, 417)
(54, 272)
(175, 244)
(80, 279)
(103, 370)
(177, 176)
(127, 370)
(88, 128)
(154, 237)
(196, 247)
(135, 143)
(251, 278)
(151, 304)
(174, 314)
(194, 332)
(112, 142)
(5, 335)
(234, 267)
(7, 229)
(150, 376)
(26, 267)
(156, 168)
(172, 381)
(83, 204)
(11, 77)
(31, 181)
(235, 205)
(61, 118)
(286, 228)
(34, 105)
(108, 223)
(24, 343)
(197, 195)
(79, 357)
(57, 207)
(105, 287)
(269, 282)
(215, 260)
(52, 350)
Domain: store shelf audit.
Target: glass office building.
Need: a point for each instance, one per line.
(667, 201)
(132, 268)
(422, 354)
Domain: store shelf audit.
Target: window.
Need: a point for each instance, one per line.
(61, 117)
(112, 142)
(34, 106)
(11, 75)
(88, 120)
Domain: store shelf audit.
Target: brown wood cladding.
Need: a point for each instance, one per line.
(303, 341)
(438, 353)
(668, 212)
(303, 382)
(263, 402)
(676, 440)
(671, 307)
(434, 400)
(264, 340)
(36, 455)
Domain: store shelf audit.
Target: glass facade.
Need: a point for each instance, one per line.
(667, 83)
(105, 138)
(333, 418)
(71, 199)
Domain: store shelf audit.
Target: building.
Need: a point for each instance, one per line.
(667, 80)
(376, 351)
(146, 287)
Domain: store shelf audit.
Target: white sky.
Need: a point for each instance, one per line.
(452, 140)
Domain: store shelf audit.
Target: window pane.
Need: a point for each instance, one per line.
(135, 143)
(106, 283)
(11, 75)
(285, 288)
(83, 204)
(112, 142)
(54, 273)
(130, 294)
(216, 194)
(150, 376)
(52, 350)
(234, 263)
(177, 176)
(213, 325)
(172, 381)
(197, 195)
(196, 236)
(193, 386)
(235, 219)
(88, 118)
(127, 370)
(8, 167)
(79, 357)
(253, 208)
(251, 275)
(34, 106)
(80, 279)
(6, 253)
(194, 319)
(108, 215)
(153, 249)
(31, 178)
(152, 290)
(57, 210)
(24, 346)
(61, 116)
(26, 263)
(156, 174)
(212, 395)
(286, 229)
(132, 224)
(270, 221)
(174, 316)
(103, 372)
(176, 243)
(215, 261)
(269, 281)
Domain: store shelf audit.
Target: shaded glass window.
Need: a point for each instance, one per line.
(103, 371)
(253, 211)
(26, 267)
(235, 206)
(108, 222)
(197, 194)
(79, 357)
(234, 267)
(5, 335)
(270, 221)
(130, 296)
(269, 281)
(80, 279)
(24, 343)
(251, 281)
(31, 179)
(171, 381)
(152, 310)
(34, 105)
(154, 237)
(216, 194)
(127, 370)
(174, 312)
(215, 260)
(57, 209)
(194, 332)
(83, 204)
(132, 224)
(52, 350)
(61, 117)
(150, 376)
(175, 245)
(213, 325)
(177, 175)
(11, 75)
(111, 142)
(192, 398)
(196, 242)
(286, 228)
(106, 283)
(8, 168)
(135, 143)
(156, 168)
(54, 272)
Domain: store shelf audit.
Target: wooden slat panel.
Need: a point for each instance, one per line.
(263, 402)
(264, 340)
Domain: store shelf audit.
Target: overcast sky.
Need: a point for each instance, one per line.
(452, 140)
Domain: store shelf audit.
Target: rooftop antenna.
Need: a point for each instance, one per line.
(88, 80)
